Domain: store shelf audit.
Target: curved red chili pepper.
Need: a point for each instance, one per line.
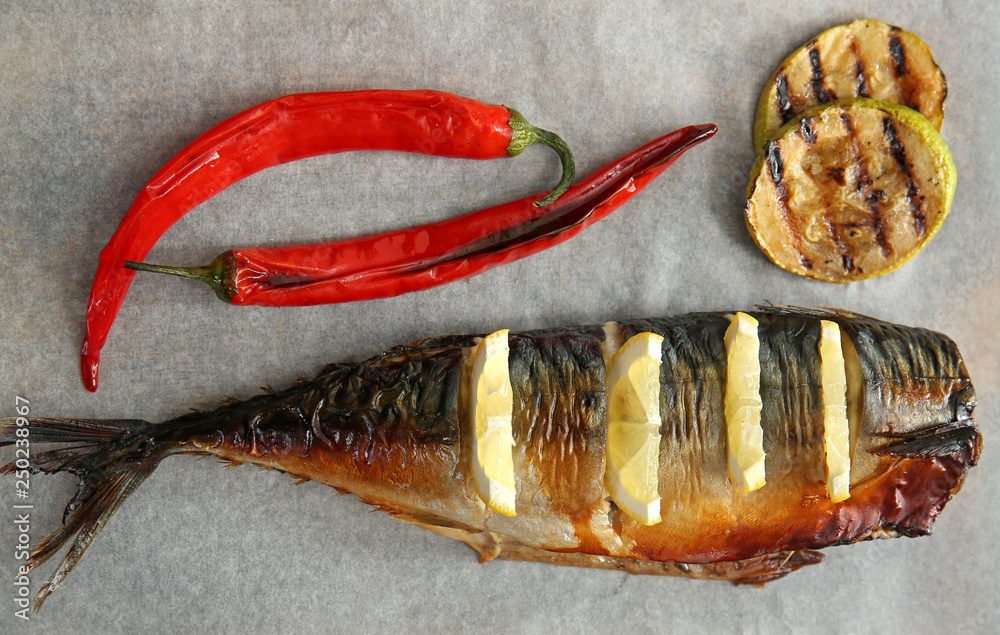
(422, 257)
(288, 129)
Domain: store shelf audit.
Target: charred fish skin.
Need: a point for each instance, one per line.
(914, 384)
(389, 430)
(385, 429)
(395, 431)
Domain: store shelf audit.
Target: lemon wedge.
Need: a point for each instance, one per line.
(836, 431)
(633, 444)
(744, 435)
(492, 405)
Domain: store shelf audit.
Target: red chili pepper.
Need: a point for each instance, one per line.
(422, 257)
(288, 129)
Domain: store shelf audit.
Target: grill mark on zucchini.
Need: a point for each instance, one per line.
(817, 81)
(919, 216)
(807, 131)
(873, 201)
(846, 260)
(781, 95)
(912, 191)
(898, 151)
(872, 198)
(861, 86)
(776, 168)
(897, 52)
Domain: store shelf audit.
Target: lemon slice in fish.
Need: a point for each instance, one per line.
(744, 435)
(836, 431)
(633, 444)
(492, 405)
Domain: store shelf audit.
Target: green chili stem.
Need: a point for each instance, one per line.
(523, 134)
(218, 274)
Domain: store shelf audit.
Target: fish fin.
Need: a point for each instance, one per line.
(335, 368)
(956, 440)
(484, 542)
(769, 567)
(757, 571)
(821, 313)
(111, 459)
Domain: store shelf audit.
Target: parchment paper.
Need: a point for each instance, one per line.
(95, 97)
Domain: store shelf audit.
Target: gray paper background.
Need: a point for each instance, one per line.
(95, 98)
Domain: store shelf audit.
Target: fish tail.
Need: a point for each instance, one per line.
(110, 457)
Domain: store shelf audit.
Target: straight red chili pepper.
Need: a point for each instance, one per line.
(422, 257)
(292, 128)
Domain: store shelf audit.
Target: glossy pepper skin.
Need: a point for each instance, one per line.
(287, 129)
(426, 256)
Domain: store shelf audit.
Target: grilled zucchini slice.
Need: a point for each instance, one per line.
(850, 190)
(866, 58)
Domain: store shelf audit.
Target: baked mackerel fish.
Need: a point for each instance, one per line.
(398, 431)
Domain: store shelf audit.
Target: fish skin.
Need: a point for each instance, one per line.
(388, 430)
(391, 430)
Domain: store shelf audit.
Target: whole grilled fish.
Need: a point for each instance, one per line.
(395, 431)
